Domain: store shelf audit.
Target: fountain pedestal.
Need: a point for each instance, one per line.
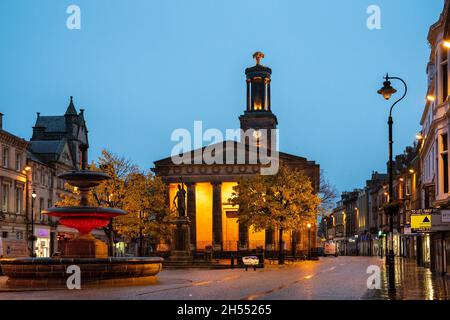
(84, 246)
(181, 241)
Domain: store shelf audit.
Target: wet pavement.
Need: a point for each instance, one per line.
(342, 278)
(412, 283)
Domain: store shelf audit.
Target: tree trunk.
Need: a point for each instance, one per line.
(280, 249)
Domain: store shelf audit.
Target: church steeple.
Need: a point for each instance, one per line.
(258, 114)
(71, 111)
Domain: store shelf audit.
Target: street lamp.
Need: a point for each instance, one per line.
(309, 240)
(387, 91)
(32, 237)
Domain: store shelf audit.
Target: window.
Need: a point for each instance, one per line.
(5, 197)
(49, 203)
(444, 81)
(34, 171)
(408, 187)
(41, 207)
(42, 177)
(18, 162)
(444, 72)
(5, 157)
(444, 156)
(19, 200)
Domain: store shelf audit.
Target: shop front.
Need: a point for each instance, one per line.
(432, 243)
(43, 242)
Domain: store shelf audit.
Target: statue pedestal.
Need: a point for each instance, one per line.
(181, 240)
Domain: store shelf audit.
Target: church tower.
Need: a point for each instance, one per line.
(258, 114)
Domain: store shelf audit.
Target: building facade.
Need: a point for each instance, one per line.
(54, 149)
(434, 162)
(210, 185)
(13, 192)
(32, 167)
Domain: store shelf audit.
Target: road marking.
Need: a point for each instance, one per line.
(201, 283)
(264, 293)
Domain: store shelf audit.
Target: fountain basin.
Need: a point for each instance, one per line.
(84, 178)
(84, 219)
(51, 272)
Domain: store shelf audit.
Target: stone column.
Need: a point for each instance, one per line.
(217, 213)
(248, 95)
(191, 212)
(263, 95)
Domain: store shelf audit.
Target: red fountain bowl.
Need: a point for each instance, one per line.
(84, 219)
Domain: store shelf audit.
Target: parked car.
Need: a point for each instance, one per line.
(250, 261)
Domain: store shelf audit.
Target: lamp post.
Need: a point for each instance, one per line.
(309, 240)
(387, 91)
(32, 236)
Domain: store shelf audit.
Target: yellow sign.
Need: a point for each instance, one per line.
(422, 221)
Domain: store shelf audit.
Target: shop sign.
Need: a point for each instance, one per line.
(42, 233)
(421, 221)
(407, 229)
(445, 216)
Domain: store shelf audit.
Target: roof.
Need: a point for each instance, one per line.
(236, 147)
(52, 123)
(71, 108)
(47, 146)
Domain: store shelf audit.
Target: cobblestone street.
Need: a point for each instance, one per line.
(342, 278)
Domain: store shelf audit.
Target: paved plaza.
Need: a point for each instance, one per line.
(342, 278)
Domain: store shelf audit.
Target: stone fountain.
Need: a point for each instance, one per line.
(84, 251)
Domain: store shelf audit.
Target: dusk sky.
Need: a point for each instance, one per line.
(142, 69)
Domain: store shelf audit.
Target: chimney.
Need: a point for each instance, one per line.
(1, 121)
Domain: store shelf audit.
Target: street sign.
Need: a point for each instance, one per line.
(445, 216)
(421, 221)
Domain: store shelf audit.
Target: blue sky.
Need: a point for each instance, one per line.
(144, 68)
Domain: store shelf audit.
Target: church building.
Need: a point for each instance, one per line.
(210, 185)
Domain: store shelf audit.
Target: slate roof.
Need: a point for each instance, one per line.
(47, 146)
(52, 123)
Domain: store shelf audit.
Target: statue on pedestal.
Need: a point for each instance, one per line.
(180, 201)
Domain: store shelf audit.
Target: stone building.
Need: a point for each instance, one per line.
(13, 190)
(434, 161)
(210, 184)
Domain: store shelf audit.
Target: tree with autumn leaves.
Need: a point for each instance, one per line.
(283, 201)
(142, 195)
